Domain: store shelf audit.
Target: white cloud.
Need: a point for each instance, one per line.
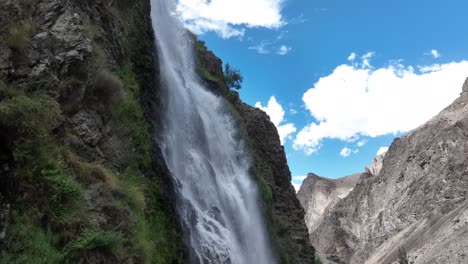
(261, 48)
(283, 50)
(299, 178)
(296, 186)
(434, 53)
(382, 150)
(276, 113)
(345, 152)
(352, 56)
(230, 18)
(366, 59)
(430, 68)
(356, 101)
(361, 143)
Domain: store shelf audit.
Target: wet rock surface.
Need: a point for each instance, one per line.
(270, 161)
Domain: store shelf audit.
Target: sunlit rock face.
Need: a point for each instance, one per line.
(415, 202)
(376, 166)
(318, 194)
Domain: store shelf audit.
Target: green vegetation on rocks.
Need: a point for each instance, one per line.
(73, 201)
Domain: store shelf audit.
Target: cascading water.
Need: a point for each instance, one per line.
(218, 200)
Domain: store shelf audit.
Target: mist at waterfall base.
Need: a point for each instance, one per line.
(218, 201)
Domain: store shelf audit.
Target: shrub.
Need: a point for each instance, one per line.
(29, 115)
(402, 256)
(63, 188)
(108, 87)
(91, 30)
(89, 173)
(318, 260)
(19, 36)
(98, 57)
(28, 243)
(90, 243)
(232, 77)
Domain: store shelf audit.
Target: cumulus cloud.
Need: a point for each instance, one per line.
(366, 59)
(299, 178)
(434, 53)
(382, 150)
(276, 113)
(345, 152)
(261, 48)
(352, 56)
(356, 100)
(296, 186)
(283, 50)
(361, 143)
(230, 18)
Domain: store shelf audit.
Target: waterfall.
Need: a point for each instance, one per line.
(218, 201)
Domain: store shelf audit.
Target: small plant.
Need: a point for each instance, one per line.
(62, 187)
(318, 260)
(98, 57)
(91, 30)
(19, 36)
(108, 87)
(28, 112)
(232, 77)
(28, 243)
(91, 242)
(402, 256)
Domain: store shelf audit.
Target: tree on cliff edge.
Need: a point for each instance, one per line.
(232, 77)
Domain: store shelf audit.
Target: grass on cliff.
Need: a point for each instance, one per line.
(50, 213)
(52, 221)
(29, 243)
(202, 72)
(156, 233)
(19, 35)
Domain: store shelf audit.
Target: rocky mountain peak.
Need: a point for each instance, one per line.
(417, 205)
(376, 166)
(465, 86)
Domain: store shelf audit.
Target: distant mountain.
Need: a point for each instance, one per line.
(415, 207)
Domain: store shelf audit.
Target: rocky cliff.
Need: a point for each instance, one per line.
(319, 195)
(82, 178)
(416, 207)
(282, 209)
(81, 181)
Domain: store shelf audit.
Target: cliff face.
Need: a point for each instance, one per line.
(81, 173)
(416, 204)
(80, 177)
(319, 195)
(284, 214)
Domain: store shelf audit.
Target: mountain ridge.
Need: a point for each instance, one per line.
(416, 203)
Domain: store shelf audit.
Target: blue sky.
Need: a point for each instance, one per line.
(349, 77)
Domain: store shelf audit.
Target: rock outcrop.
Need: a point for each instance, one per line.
(376, 166)
(319, 195)
(270, 164)
(283, 211)
(416, 207)
(81, 179)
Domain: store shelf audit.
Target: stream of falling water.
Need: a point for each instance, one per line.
(218, 201)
